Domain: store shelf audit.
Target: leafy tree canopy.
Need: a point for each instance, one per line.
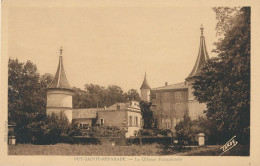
(98, 96)
(26, 89)
(224, 82)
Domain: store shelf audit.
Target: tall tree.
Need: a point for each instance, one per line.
(96, 95)
(116, 94)
(224, 82)
(147, 114)
(81, 99)
(132, 94)
(26, 95)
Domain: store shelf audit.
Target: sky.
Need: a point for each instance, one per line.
(112, 45)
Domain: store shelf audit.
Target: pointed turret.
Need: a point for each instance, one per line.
(145, 84)
(145, 90)
(59, 93)
(60, 80)
(202, 56)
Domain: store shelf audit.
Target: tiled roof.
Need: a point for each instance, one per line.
(60, 80)
(118, 106)
(123, 106)
(172, 86)
(145, 84)
(89, 113)
(202, 56)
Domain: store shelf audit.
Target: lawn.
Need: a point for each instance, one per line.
(108, 150)
(87, 150)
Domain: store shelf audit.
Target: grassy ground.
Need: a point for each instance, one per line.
(239, 150)
(108, 150)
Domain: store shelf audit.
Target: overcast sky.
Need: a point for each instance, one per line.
(112, 45)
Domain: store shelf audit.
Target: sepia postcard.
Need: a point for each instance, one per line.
(129, 82)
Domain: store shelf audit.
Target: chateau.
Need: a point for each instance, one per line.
(171, 102)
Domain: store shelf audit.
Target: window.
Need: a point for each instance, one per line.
(102, 122)
(166, 106)
(167, 123)
(178, 96)
(178, 109)
(157, 95)
(174, 122)
(166, 95)
(155, 123)
(172, 108)
(163, 124)
(153, 96)
(130, 121)
(136, 120)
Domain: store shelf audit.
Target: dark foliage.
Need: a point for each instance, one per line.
(94, 96)
(51, 130)
(188, 130)
(99, 131)
(147, 114)
(26, 96)
(224, 83)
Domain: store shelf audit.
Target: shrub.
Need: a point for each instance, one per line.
(188, 130)
(155, 132)
(52, 130)
(108, 131)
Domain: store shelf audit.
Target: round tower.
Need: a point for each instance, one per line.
(196, 108)
(59, 93)
(145, 90)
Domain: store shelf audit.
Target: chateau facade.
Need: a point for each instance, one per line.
(171, 102)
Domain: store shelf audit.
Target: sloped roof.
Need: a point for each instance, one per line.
(60, 80)
(124, 106)
(145, 84)
(181, 85)
(202, 56)
(88, 113)
(119, 106)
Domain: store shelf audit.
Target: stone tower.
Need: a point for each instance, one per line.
(59, 93)
(196, 108)
(145, 90)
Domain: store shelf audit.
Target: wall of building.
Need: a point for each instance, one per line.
(169, 107)
(59, 98)
(145, 94)
(112, 117)
(122, 118)
(134, 122)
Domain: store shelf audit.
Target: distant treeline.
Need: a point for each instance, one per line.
(99, 96)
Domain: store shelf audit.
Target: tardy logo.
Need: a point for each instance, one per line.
(229, 145)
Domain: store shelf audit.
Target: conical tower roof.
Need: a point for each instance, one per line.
(60, 80)
(145, 84)
(202, 56)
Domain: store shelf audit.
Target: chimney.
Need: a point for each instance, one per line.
(166, 83)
